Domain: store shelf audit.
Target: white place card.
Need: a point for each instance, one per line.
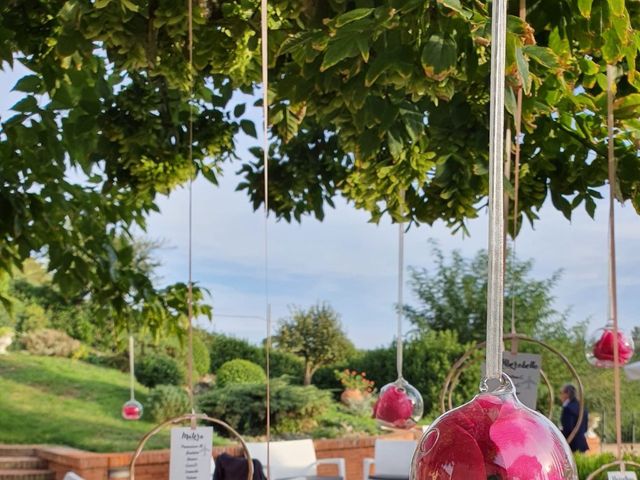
(622, 476)
(524, 371)
(191, 453)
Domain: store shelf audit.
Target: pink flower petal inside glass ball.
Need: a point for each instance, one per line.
(399, 405)
(132, 410)
(493, 437)
(599, 348)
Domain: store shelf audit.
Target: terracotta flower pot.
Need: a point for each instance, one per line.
(352, 396)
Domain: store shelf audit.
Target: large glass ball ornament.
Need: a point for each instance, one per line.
(493, 437)
(399, 405)
(132, 410)
(599, 347)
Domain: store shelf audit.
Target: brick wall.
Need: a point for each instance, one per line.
(154, 465)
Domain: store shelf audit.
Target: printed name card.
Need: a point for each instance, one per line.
(524, 371)
(191, 453)
(622, 476)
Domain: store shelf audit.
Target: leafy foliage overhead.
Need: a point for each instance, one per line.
(368, 98)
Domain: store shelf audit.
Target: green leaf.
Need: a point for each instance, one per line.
(456, 6)
(129, 5)
(523, 70)
(558, 44)
(28, 84)
(395, 143)
(585, 7)
(381, 64)
(249, 128)
(543, 55)
(439, 57)
(352, 16)
(363, 47)
(339, 49)
(26, 105)
(101, 3)
(611, 49)
(239, 109)
(617, 7)
(588, 66)
(627, 107)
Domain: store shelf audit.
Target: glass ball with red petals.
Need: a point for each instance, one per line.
(493, 437)
(132, 410)
(399, 405)
(599, 347)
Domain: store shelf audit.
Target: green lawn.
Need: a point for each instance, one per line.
(68, 402)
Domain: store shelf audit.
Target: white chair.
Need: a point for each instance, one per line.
(392, 460)
(72, 476)
(293, 459)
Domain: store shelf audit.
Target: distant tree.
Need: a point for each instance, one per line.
(316, 336)
(453, 296)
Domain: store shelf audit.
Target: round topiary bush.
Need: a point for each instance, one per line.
(159, 369)
(167, 401)
(240, 371)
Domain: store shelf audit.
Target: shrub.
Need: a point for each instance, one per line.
(159, 369)
(167, 401)
(240, 371)
(588, 464)
(283, 364)
(223, 349)
(51, 343)
(294, 408)
(201, 357)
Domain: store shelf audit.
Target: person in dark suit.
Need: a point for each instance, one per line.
(569, 418)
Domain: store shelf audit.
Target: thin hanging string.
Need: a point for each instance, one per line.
(516, 192)
(264, 26)
(190, 284)
(495, 295)
(613, 289)
(132, 373)
(399, 348)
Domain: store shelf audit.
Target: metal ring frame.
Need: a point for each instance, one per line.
(456, 370)
(189, 418)
(603, 468)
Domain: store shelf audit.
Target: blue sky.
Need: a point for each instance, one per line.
(351, 263)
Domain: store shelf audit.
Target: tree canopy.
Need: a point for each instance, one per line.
(316, 336)
(452, 295)
(368, 98)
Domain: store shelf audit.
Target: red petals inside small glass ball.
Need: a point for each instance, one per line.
(493, 437)
(132, 410)
(399, 405)
(599, 348)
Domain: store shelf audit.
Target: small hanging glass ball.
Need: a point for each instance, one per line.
(599, 347)
(399, 405)
(132, 410)
(493, 437)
